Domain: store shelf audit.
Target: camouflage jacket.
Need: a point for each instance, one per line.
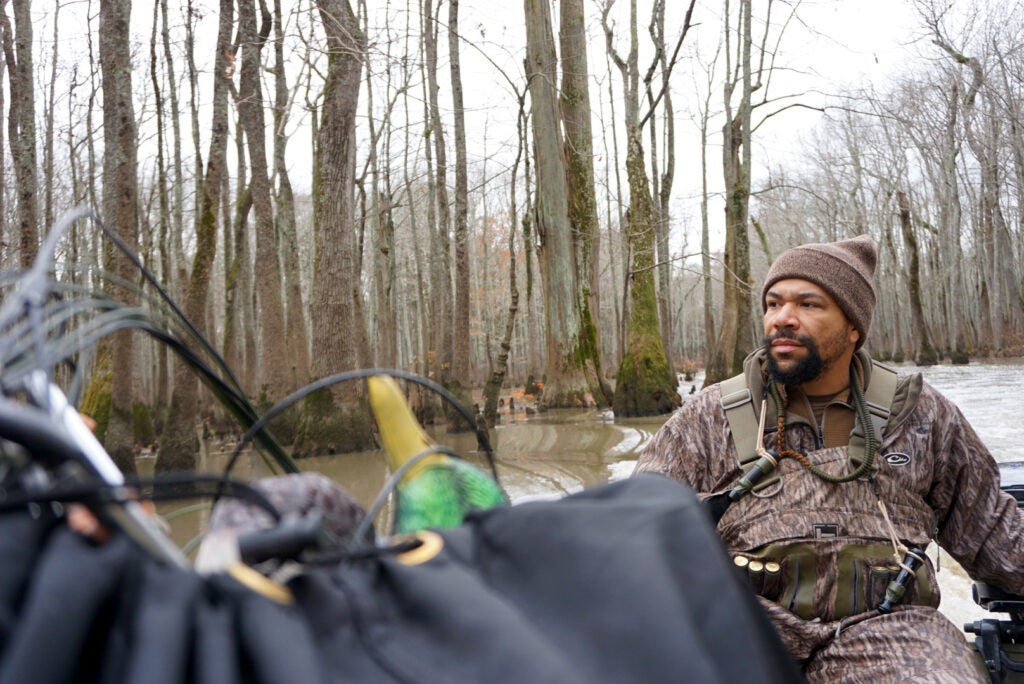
(939, 482)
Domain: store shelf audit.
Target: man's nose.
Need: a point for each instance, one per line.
(784, 316)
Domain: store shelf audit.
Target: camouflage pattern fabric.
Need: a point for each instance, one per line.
(911, 644)
(937, 479)
(295, 494)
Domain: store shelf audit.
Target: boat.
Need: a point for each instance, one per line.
(999, 642)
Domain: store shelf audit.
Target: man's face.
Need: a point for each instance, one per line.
(805, 332)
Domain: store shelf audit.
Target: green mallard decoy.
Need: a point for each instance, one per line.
(439, 490)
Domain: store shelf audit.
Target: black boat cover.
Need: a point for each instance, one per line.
(625, 582)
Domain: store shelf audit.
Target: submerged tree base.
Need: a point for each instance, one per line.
(332, 426)
(454, 421)
(179, 443)
(959, 357)
(565, 395)
(927, 356)
(646, 385)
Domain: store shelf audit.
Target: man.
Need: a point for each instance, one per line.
(831, 474)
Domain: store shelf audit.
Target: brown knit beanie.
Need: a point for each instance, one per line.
(844, 269)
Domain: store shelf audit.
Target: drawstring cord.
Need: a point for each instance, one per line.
(760, 450)
(900, 551)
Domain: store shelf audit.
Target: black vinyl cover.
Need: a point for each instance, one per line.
(625, 582)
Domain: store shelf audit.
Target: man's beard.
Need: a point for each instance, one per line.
(803, 370)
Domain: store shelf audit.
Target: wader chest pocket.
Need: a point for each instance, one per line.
(871, 577)
(786, 575)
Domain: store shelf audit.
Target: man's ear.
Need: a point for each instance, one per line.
(854, 334)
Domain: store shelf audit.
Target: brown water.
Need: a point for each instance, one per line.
(543, 456)
(539, 456)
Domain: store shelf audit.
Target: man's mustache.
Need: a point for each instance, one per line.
(786, 335)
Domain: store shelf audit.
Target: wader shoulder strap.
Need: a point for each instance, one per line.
(878, 397)
(880, 394)
(738, 404)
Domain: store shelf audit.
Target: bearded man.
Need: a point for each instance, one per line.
(829, 474)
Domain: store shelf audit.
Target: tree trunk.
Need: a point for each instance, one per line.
(440, 277)
(663, 190)
(705, 245)
(274, 377)
(500, 370)
(734, 339)
(579, 147)
(383, 321)
(236, 291)
(163, 220)
(120, 201)
(3, 145)
(565, 383)
(21, 124)
(460, 380)
(193, 83)
(297, 341)
(926, 354)
(49, 114)
(334, 420)
(178, 206)
(646, 386)
(950, 217)
(178, 441)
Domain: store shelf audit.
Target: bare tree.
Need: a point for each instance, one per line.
(120, 207)
(177, 204)
(726, 356)
(460, 377)
(645, 384)
(21, 123)
(440, 257)
(662, 182)
(334, 420)
(983, 130)
(273, 365)
(48, 136)
(178, 441)
(297, 342)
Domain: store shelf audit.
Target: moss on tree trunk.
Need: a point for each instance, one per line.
(330, 425)
(179, 442)
(646, 385)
